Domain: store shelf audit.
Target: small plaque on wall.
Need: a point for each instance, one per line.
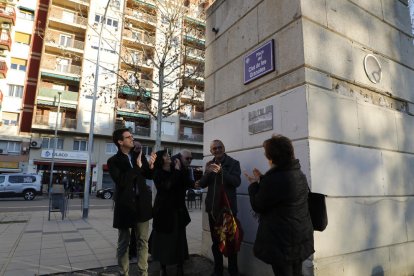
(259, 62)
(261, 120)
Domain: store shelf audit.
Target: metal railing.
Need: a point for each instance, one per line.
(142, 131)
(139, 36)
(141, 16)
(52, 62)
(192, 115)
(52, 93)
(43, 120)
(191, 137)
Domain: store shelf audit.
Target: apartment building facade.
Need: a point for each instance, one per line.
(64, 51)
(16, 30)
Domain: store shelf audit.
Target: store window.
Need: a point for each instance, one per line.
(49, 143)
(15, 91)
(80, 145)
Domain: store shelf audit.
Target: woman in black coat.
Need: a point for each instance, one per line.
(284, 237)
(170, 214)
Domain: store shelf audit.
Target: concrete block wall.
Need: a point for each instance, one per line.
(353, 137)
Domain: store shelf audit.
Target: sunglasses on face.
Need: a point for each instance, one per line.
(217, 148)
(128, 137)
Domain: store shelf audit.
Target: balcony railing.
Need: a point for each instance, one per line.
(53, 93)
(5, 41)
(131, 106)
(141, 16)
(195, 53)
(136, 57)
(44, 120)
(66, 17)
(8, 13)
(3, 69)
(142, 131)
(56, 64)
(139, 36)
(191, 137)
(192, 115)
(55, 38)
(194, 94)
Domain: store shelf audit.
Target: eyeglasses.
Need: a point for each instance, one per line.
(128, 137)
(217, 148)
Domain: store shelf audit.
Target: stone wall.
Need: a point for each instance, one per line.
(352, 136)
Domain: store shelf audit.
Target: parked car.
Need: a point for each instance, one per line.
(20, 184)
(105, 193)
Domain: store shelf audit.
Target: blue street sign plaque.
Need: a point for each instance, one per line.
(259, 62)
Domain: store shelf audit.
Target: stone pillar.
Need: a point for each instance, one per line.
(342, 90)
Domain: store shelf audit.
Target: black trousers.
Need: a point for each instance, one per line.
(289, 269)
(218, 256)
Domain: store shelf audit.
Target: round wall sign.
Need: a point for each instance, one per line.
(372, 68)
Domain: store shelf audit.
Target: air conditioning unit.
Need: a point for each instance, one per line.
(3, 151)
(36, 143)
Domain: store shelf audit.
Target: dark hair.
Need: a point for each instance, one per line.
(117, 135)
(159, 161)
(280, 150)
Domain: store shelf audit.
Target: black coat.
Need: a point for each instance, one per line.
(285, 231)
(170, 199)
(130, 208)
(229, 176)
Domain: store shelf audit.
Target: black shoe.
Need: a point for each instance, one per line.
(180, 270)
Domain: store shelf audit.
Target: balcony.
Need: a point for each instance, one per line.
(132, 58)
(191, 115)
(140, 16)
(68, 99)
(191, 137)
(139, 130)
(60, 67)
(46, 122)
(192, 94)
(127, 90)
(3, 70)
(70, 19)
(131, 106)
(73, 4)
(195, 54)
(63, 41)
(7, 14)
(136, 36)
(5, 41)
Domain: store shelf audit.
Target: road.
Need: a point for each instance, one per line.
(41, 203)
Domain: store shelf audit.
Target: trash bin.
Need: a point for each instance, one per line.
(57, 200)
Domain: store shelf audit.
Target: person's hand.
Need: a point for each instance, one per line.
(213, 168)
(139, 161)
(177, 164)
(152, 160)
(254, 177)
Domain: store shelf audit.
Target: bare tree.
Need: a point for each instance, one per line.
(160, 89)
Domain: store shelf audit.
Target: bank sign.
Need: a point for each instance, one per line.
(259, 62)
(69, 155)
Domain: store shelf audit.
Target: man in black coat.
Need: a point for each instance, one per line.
(221, 170)
(133, 199)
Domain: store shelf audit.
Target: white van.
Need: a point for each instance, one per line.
(20, 184)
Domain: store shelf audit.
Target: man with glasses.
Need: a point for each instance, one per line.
(221, 170)
(133, 199)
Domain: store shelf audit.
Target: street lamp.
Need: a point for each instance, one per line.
(52, 164)
(92, 122)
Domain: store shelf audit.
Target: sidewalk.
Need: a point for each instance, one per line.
(32, 245)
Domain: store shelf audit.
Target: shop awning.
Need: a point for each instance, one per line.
(81, 164)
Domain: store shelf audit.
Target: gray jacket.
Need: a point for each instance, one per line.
(229, 176)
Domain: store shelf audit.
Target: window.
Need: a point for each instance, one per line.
(18, 64)
(110, 22)
(14, 147)
(197, 155)
(15, 91)
(49, 143)
(111, 148)
(22, 179)
(80, 145)
(24, 14)
(107, 45)
(169, 150)
(146, 149)
(10, 119)
(63, 65)
(65, 40)
(2, 178)
(68, 16)
(22, 38)
(168, 128)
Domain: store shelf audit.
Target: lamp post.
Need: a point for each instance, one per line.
(85, 210)
(52, 164)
